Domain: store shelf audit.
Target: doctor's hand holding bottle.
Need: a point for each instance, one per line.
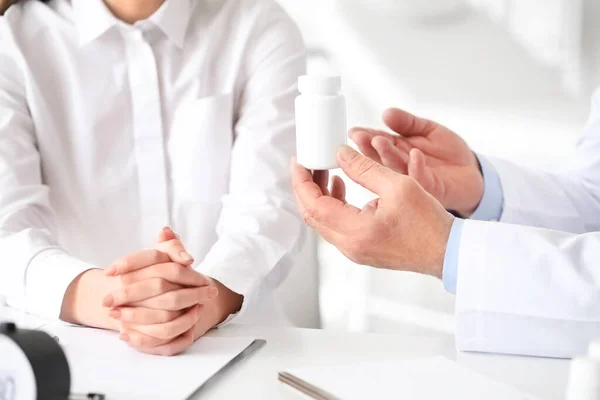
(430, 153)
(523, 286)
(404, 229)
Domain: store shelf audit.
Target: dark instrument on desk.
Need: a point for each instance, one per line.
(33, 366)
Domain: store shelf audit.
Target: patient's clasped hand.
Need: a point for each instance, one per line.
(154, 298)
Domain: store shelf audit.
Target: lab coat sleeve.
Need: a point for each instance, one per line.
(489, 209)
(34, 271)
(567, 201)
(526, 290)
(492, 201)
(450, 267)
(259, 229)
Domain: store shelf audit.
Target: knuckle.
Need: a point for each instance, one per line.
(296, 186)
(308, 214)
(175, 243)
(126, 293)
(162, 285)
(155, 256)
(122, 264)
(168, 245)
(364, 166)
(390, 186)
(128, 314)
(124, 280)
(306, 217)
(165, 331)
(128, 263)
(179, 271)
(174, 270)
(407, 187)
(166, 315)
(171, 301)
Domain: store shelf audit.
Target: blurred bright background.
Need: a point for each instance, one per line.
(513, 77)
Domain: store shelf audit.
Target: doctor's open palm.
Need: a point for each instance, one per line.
(437, 158)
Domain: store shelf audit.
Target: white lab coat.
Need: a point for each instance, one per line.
(535, 289)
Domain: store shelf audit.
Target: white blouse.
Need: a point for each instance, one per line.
(109, 131)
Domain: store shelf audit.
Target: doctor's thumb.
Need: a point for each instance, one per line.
(364, 171)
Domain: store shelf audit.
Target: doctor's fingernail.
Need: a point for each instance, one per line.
(108, 301)
(185, 256)
(124, 337)
(213, 292)
(110, 271)
(347, 153)
(115, 313)
(353, 131)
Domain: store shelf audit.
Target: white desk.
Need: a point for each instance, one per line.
(256, 377)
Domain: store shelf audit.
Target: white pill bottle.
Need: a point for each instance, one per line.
(320, 121)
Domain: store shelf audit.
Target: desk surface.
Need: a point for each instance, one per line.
(290, 347)
(256, 378)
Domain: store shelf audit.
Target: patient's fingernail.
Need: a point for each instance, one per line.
(213, 292)
(124, 337)
(110, 271)
(346, 153)
(115, 313)
(185, 256)
(108, 301)
(166, 229)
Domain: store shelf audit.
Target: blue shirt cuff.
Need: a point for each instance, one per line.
(450, 269)
(492, 202)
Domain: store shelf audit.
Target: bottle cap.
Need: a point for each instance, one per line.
(319, 84)
(584, 373)
(594, 349)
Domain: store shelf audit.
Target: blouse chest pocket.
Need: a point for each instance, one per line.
(199, 148)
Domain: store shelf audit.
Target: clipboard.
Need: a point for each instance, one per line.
(182, 377)
(248, 351)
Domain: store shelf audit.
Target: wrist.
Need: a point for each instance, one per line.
(439, 255)
(228, 301)
(476, 188)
